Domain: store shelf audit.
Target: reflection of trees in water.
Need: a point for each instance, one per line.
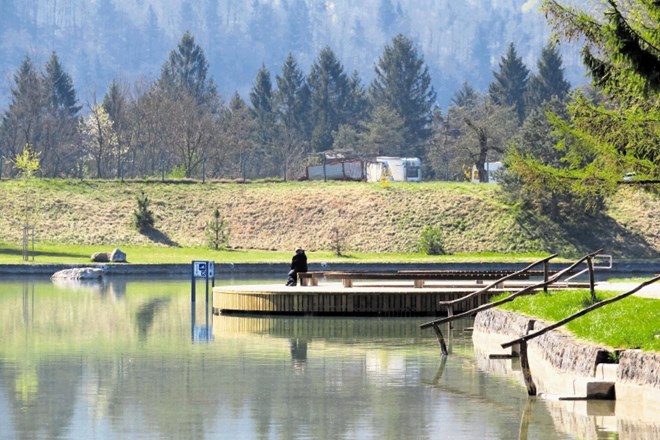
(145, 315)
(187, 391)
(48, 412)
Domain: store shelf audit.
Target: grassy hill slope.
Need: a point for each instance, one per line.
(364, 217)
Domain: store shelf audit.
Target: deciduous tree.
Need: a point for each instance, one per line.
(479, 133)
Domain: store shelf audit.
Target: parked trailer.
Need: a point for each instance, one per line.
(337, 170)
(398, 169)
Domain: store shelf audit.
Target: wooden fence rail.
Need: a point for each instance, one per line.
(522, 341)
(546, 282)
(544, 261)
(551, 280)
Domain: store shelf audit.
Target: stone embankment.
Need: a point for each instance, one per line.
(565, 367)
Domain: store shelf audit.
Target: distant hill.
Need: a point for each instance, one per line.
(130, 39)
(365, 217)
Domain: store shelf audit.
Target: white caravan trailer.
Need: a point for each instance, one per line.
(397, 169)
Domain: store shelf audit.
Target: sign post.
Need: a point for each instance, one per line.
(205, 270)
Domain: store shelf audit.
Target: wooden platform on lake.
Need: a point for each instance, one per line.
(367, 298)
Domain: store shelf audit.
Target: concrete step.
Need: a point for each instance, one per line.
(606, 372)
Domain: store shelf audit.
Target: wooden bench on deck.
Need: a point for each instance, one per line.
(417, 276)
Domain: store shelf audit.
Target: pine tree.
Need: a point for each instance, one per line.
(217, 232)
(143, 217)
(604, 140)
(60, 86)
(549, 82)
(536, 139)
(384, 136)
(114, 103)
(59, 145)
(186, 70)
(293, 108)
(22, 122)
(358, 103)
(467, 96)
(262, 100)
(510, 83)
(403, 83)
(622, 50)
(330, 98)
(292, 98)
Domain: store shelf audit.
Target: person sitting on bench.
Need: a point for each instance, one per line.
(298, 264)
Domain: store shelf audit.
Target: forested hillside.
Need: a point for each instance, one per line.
(102, 40)
(309, 97)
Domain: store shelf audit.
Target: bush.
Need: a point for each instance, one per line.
(431, 242)
(143, 218)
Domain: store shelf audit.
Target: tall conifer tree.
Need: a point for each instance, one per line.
(293, 109)
(60, 87)
(510, 83)
(22, 121)
(262, 100)
(403, 84)
(549, 81)
(330, 98)
(187, 70)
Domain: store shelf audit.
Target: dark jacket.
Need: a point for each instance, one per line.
(299, 262)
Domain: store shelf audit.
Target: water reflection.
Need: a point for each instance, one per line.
(298, 353)
(586, 419)
(84, 362)
(146, 313)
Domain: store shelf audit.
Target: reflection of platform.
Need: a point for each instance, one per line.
(364, 299)
(324, 328)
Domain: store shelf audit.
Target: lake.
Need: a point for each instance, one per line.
(128, 358)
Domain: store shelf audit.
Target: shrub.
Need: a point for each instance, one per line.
(431, 242)
(143, 218)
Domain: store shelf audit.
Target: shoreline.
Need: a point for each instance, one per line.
(622, 267)
(563, 367)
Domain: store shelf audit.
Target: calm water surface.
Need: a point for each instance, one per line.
(128, 359)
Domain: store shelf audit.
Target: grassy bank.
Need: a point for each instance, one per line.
(630, 323)
(48, 253)
(267, 221)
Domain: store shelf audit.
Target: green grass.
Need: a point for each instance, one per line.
(49, 253)
(633, 322)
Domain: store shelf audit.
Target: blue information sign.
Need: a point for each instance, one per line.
(203, 269)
